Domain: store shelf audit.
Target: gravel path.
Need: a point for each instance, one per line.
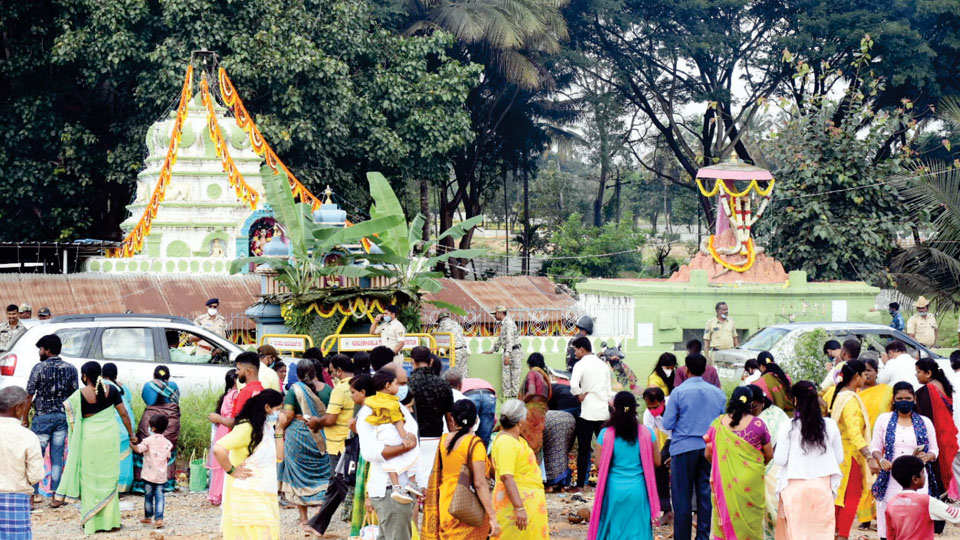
(190, 517)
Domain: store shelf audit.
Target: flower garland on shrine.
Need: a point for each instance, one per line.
(133, 242)
(245, 122)
(244, 191)
(737, 206)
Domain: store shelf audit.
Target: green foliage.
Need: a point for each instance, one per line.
(932, 267)
(333, 93)
(808, 361)
(574, 239)
(194, 426)
(837, 211)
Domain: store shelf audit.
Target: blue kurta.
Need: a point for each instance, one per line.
(626, 507)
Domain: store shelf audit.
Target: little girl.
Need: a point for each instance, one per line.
(156, 453)
(390, 432)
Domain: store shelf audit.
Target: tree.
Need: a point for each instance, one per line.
(509, 109)
(672, 56)
(838, 213)
(581, 251)
(334, 94)
(932, 266)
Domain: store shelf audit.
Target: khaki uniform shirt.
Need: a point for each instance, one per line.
(390, 334)
(509, 338)
(719, 333)
(10, 333)
(453, 327)
(217, 325)
(923, 329)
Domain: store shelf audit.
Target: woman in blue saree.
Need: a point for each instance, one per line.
(161, 397)
(126, 454)
(306, 467)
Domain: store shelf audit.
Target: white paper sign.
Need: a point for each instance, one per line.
(644, 334)
(839, 309)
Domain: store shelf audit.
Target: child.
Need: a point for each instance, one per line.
(389, 421)
(910, 515)
(156, 453)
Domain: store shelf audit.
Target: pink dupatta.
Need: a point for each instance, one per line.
(649, 476)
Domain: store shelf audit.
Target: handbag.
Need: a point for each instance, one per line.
(368, 529)
(347, 466)
(465, 505)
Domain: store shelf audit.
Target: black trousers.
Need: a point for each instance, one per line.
(663, 478)
(586, 430)
(336, 492)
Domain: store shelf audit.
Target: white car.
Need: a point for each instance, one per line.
(136, 343)
(781, 341)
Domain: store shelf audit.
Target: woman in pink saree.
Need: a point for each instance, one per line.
(220, 428)
(738, 447)
(626, 503)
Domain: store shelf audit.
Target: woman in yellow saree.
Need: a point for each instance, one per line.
(878, 399)
(847, 410)
(738, 447)
(92, 469)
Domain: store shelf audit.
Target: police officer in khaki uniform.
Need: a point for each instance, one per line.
(509, 342)
(391, 332)
(923, 325)
(10, 330)
(721, 332)
(212, 320)
(26, 312)
(446, 324)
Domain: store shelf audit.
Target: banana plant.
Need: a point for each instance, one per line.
(402, 255)
(308, 242)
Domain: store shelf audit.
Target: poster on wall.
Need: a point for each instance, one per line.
(839, 310)
(644, 334)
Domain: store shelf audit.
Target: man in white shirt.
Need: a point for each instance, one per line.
(590, 382)
(899, 366)
(395, 517)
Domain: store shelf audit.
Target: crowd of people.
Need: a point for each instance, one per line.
(428, 453)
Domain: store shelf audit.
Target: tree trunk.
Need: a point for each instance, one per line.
(425, 208)
(598, 202)
(526, 222)
(616, 191)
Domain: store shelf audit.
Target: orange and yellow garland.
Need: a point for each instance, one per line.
(751, 256)
(133, 242)
(244, 191)
(245, 122)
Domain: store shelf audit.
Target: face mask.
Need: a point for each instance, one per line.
(903, 406)
(212, 312)
(658, 411)
(272, 418)
(668, 371)
(923, 313)
(386, 318)
(723, 315)
(892, 312)
(402, 393)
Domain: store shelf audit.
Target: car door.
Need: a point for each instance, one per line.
(77, 344)
(132, 348)
(191, 366)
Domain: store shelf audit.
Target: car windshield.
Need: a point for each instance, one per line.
(765, 339)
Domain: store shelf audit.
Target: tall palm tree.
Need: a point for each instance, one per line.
(932, 266)
(503, 35)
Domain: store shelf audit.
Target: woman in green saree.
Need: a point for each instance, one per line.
(738, 447)
(93, 463)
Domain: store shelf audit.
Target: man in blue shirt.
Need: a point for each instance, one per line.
(897, 321)
(692, 407)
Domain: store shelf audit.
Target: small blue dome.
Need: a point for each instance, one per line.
(330, 214)
(276, 247)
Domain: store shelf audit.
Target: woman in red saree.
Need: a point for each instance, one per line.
(935, 401)
(738, 447)
(535, 393)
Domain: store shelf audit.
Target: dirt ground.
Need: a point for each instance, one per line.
(190, 517)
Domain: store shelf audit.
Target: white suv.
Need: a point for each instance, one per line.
(135, 343)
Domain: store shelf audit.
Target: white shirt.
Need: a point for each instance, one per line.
(591, 376)
(656, 422)
(372, 449)
(901, 368)
(939, 510)
(803, 464)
